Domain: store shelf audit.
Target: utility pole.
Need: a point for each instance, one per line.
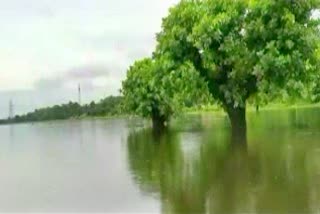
(11, 112)
(79, 94)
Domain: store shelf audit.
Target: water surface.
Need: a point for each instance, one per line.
(119, 166)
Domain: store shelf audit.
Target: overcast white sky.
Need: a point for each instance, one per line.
(47, 47)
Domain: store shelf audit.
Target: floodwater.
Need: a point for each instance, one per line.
(121, 166)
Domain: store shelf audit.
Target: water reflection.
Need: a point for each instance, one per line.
(277, 171)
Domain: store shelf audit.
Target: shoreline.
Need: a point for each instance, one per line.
(207, 109)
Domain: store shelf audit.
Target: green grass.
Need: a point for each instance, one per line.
(251, 108)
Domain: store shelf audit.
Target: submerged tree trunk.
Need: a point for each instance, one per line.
(158, 123)
(257, 108)
(237, 118)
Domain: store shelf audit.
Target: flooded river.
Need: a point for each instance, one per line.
(122, 166)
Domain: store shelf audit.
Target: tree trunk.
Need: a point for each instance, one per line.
(237, 118)
(158, 123)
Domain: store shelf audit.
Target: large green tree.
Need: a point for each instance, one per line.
(244, 48)
(158, 89)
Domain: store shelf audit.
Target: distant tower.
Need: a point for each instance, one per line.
(11, 112)
(79, 94)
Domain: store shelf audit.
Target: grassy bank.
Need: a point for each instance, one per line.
(251, 108)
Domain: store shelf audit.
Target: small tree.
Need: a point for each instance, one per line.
(158, 89)
(243, 48)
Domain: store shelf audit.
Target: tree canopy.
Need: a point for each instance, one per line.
(157, 88)
(244, 48)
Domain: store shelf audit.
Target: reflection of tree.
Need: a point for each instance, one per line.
(284, 180)
(150, 156)
(159, 165)
(221, 177)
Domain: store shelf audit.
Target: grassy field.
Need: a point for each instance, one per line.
(251, 108)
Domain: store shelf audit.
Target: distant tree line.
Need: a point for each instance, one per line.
(108, 106)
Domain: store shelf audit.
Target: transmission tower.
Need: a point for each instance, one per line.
(79, 94)
(11, 112)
